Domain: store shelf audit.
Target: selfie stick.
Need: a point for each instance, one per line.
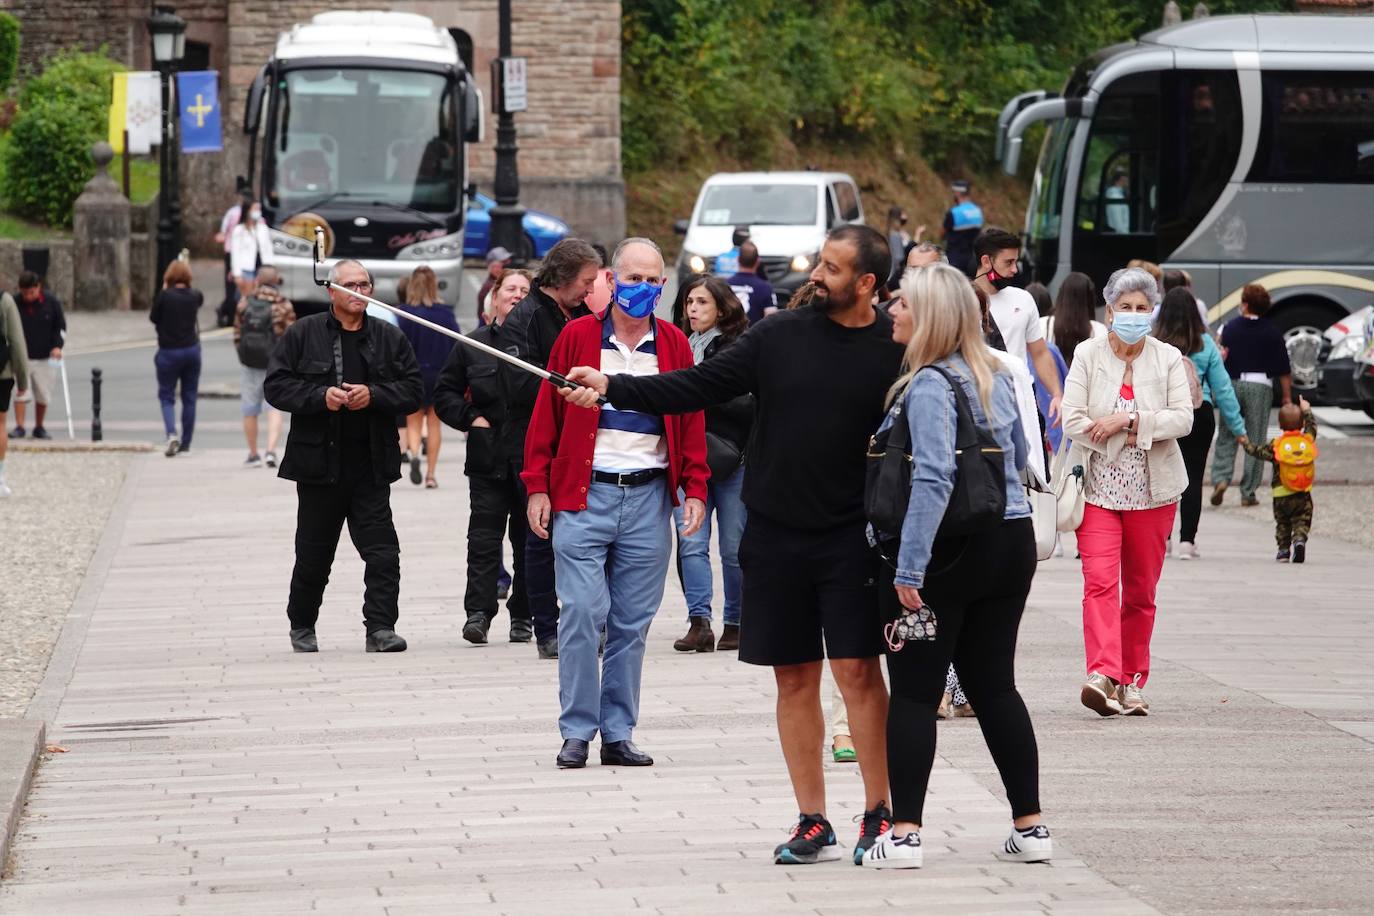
(554, 378)
(66, 389)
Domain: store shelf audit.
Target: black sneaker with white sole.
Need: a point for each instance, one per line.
(872, 824)
(813, 840)
(1299, 551)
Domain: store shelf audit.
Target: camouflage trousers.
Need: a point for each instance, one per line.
(1292, 518)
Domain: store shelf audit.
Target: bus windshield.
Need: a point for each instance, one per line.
(1047, 193)
(378, 135)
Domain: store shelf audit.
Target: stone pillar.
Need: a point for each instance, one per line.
(100, 235)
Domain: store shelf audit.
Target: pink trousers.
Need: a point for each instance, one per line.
(1123, 553)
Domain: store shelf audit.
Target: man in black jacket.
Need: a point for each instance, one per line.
(565, 279)
(344, 378)
(473, 396)
(45, 327)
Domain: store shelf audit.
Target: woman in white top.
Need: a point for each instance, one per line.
(1126, 405)
(1071, 320)
(249, 246)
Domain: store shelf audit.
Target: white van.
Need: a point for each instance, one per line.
(787, 214)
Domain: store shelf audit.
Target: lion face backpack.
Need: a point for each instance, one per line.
(1295, 455)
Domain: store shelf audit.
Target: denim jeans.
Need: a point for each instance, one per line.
(694, 553)
(178, 365)
(610, 561)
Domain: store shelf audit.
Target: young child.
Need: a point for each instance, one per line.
(1294, 455)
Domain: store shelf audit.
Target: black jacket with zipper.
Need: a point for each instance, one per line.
(306, 362)
(475, 384)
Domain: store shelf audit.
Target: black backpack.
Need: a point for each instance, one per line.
(979, 498)
(256, 337)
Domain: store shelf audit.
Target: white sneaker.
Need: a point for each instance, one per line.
(1187, 550)
(173, 446)
(1169, 547)
(5, 490)
(895, 852)
(1029, 845)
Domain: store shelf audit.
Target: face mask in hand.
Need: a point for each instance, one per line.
(1130, 327)
(639, 300)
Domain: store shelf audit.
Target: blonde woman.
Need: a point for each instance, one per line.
(971, 590)
(431, 351)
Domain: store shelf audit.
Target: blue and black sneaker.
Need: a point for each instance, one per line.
(873, 824)
(813, 840)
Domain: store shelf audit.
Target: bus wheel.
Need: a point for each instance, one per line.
(1302, 324)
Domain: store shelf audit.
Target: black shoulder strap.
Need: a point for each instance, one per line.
(966, 433)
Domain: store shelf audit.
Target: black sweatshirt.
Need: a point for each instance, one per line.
(820, 390)
(174, 314)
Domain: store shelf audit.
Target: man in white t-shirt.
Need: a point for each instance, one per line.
(1013, 309)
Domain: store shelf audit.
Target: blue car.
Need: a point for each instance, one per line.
(542, 231)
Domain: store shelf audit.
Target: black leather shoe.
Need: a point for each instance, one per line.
(303, 640)
(385, 641)
(521, 631)
(475, 630)
(548, 648)
(573, 756)
(624, 754)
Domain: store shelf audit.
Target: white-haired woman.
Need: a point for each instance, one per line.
(970, 590)
(1126, 405)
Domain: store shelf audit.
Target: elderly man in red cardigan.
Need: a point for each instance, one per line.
(602, 482)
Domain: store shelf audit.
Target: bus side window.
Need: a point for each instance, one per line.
(1118, 185)
(1317, 128)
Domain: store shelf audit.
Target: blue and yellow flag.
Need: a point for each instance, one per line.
(198, 102)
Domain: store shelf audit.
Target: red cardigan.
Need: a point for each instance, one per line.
(562, 438)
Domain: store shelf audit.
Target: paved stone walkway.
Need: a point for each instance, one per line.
(212, 770)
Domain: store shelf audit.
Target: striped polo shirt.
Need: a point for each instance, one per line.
(628, 440)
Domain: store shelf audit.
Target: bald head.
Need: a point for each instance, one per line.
(636, 260)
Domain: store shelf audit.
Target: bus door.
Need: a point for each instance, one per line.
(1119, 181)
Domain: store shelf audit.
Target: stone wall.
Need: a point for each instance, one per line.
(59, 276)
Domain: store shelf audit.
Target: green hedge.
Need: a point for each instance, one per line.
(45, 159)
(9, 50)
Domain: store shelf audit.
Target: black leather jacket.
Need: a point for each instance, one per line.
(308, 360)
(530, 329)
(475, 384)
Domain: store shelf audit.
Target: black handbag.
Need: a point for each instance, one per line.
(979, 498)
(723, 457)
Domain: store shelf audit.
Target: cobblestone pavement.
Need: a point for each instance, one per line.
(212, 770)
(48, 530)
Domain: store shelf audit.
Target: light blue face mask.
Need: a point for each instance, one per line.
(637, 300)
(1130, 327)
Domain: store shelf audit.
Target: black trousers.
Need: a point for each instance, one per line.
(1195, 446)
(976, 588)
(321, 513)
(497, 511)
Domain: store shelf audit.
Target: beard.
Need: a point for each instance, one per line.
(833, 300)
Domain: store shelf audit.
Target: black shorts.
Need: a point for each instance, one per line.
(807, 594)
(6, 389)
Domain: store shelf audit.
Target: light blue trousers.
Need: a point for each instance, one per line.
(610, 561)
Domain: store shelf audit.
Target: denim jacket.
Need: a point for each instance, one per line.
(932, 416)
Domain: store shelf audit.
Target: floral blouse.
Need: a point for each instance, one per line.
(1124, 483)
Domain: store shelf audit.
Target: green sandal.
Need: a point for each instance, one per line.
(844, 754)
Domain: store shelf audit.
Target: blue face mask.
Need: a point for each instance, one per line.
(637, 301)
(1130, 327)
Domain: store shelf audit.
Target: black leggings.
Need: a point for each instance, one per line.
(1194, 447)
(977, 589)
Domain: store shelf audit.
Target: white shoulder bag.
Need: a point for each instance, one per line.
(1068, 488)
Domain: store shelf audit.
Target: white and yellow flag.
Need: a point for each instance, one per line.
(137, 108)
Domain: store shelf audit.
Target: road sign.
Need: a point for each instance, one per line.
(512, 88)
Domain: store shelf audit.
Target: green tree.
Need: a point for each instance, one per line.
(9, 50)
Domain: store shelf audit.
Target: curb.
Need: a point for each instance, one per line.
(21, 742)
(78, 445)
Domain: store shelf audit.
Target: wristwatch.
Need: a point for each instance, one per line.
(1131, 419)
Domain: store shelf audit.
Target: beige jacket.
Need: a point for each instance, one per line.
(1162, 399)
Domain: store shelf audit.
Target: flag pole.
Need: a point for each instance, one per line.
(125, 163)
(554, 378)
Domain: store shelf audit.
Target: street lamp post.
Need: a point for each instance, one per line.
(507, 217)
(167, 32)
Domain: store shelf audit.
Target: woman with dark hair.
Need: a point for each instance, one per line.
(714, 319)
(1180, 325)
(177, 360)
(1041, 294)
(1071, 320)
(1256, 357)
(431, 351)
